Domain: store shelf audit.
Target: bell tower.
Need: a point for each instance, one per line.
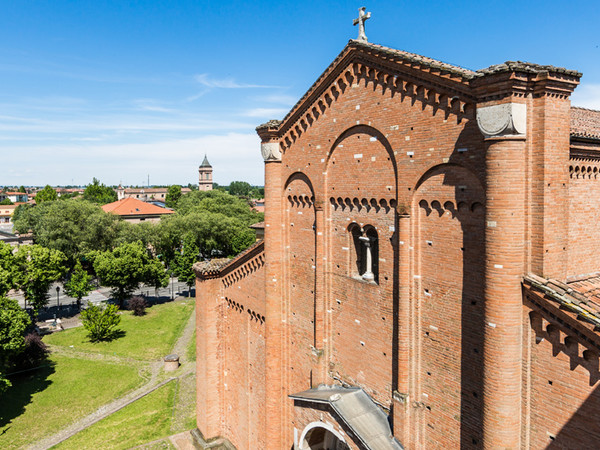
(205, 180)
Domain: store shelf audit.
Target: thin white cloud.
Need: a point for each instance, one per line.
(234, 156)
(146, 104)
(587, 96)
(113, 123)
(226, 83)
(269, 113)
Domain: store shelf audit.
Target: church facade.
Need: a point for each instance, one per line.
(429, 276)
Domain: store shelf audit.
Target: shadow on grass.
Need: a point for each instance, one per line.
(19, 395)
(116, 334)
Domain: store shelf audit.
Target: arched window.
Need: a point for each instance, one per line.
(366, 248)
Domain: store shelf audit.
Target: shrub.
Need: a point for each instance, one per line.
(101, 323)
(138, 305)
(34, 353)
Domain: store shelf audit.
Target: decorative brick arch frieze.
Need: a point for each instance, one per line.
(584, 170)
(553, 323)
(253, 316)
(244, 269)
(390, 78)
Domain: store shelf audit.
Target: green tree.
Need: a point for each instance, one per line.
(126, 267)
(218, 202)
(13, 323)
(36, 269)
(101, 323)
(99, 193)
(22, 189)
(239, 188)
(173, 195)
(75, 227)
(7, 268)
(6, 201)
(79, 284)
(184, 261)
(46, 195)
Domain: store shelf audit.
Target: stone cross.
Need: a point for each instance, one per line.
(362, 16)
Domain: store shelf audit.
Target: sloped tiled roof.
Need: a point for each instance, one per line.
(205, 162)
(585, 123)
(134, 207)
(216, 266)
(580, 299)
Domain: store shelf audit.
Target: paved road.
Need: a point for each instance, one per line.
(68, 304)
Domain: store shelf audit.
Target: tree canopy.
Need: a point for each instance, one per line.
(173, 195)
(36, 268)
(79, 284)
(46, 195)
(240, 188)
(13, 323)
(7, 268)
(126, 267)
(73, 226)
(97, 192)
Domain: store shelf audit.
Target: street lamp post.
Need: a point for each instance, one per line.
(172, 297)
(58, 300)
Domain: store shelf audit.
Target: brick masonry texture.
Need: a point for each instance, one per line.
(448, 339)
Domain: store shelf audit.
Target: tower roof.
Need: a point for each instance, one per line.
(205, 163)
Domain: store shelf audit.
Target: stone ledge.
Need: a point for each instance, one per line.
(218, 443)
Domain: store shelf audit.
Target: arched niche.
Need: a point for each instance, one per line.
(361, 165)
(299, 277)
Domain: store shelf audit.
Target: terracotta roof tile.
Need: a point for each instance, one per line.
(585, 122)
(580, 297)
(134, 207)
(215, 267)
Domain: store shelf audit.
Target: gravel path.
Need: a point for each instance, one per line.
(187, 368)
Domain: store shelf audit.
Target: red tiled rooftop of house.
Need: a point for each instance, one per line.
(585, 122)
(134, 207)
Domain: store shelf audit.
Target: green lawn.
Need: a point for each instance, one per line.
(190, 352)
(145, 420)
(42, 402)
(148, 337)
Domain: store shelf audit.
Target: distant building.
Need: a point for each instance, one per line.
(259, 205)
(15, 197)
(68, 191)
(135, 211)
(146, 194)
(205, 178)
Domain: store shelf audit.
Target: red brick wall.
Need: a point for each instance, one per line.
(372, 146)
(584, 211)
(300, 265)
(238, 373)
(561, 388)
(449, 242)
(361, 186)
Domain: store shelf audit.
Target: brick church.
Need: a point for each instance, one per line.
(429, 276)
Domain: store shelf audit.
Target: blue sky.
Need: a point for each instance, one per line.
(120, 90)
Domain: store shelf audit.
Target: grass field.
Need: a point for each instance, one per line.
(81, 376)
(148, 419)
(148, 337)
(190, 352)
(44, 401)
(144, 420)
